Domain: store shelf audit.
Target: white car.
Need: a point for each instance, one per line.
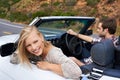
(54, 29)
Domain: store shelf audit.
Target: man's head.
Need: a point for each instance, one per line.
(107, 26)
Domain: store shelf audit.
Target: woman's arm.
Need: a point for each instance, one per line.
(67, 67)
(78, 62)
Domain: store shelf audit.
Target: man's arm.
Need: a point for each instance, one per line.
(81, 36)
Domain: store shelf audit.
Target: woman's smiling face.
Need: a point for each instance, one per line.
(34, 44)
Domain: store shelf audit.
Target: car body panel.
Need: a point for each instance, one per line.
(10, 71)
(9, 39)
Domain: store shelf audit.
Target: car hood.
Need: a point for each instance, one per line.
(8, 39)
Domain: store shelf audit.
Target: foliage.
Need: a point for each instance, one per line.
(68, 13)
(92, 12)
(92, 2)
(2, 13)
(56, 3)
(7, 3)
(5, 7)
(4, 4)
(110, 1)
(63, 13)
(70, 2)
(17, 16)
(39, 14)
(44, 5)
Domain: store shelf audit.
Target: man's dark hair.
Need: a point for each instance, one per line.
(109, 23)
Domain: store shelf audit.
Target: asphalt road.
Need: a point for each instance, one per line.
(7, 27)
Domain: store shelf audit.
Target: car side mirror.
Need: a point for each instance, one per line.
(7, 49)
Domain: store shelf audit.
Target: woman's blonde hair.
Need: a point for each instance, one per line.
(24, 55)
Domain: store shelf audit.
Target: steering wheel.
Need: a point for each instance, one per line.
(73, 44)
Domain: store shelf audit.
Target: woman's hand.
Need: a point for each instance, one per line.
(43, 65)
(50, 66)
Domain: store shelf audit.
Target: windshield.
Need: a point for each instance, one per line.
(59, 26)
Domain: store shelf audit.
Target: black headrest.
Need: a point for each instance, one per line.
(118, 44)
(102, 53)
(7, 49)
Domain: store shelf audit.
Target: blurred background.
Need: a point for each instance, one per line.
(24, 11)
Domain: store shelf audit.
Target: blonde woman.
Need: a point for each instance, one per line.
(33, 45)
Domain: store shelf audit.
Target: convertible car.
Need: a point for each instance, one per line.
(106, 59)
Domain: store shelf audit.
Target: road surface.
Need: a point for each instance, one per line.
(7, 27)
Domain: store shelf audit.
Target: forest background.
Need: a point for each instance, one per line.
(24, 11)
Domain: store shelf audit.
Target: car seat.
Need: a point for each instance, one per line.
(102, 54)
(105, 57)
(117, 54)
